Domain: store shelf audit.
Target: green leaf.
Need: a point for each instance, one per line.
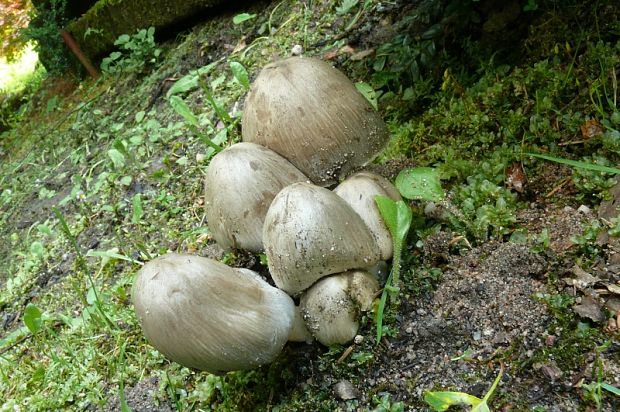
(139, 116)
(183, 109)
(397, 217)
(368, 92)
(32, 318)
(137, 209)
(37, 249)
(576, 163)
(346, 6)
(241, 75)
(240, 18)
(117, 158)
(421, 183)
(122, 39)
(441, 401)
(126, 180)
(610, 388)
(112, 255)
(190, 81)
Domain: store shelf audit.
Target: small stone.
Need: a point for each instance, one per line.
(584, 210)
(477, 335)
(358, 339)
(297, 50)
(346, 391)
(200, 157)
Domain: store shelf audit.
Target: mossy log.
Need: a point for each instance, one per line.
(100, 26)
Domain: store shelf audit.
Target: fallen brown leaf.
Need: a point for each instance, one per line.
(590, 308)
(591, 128)
(362, 54)
(516, 177)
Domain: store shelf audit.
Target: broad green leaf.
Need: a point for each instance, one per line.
(441, 401)
(190, 80)
(37, 249)
(576, 163)
(420, 183)
(122, 39)
(397, 217)
(241, 75)
(137, 209)
(139, 116)
(32, 318)
(240, 18)
(183, 109)
(184, 84)
(368, 92)
(117, 158)
(126, 180)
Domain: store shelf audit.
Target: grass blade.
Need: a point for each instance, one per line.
(576, 163)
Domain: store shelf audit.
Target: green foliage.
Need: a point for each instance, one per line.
(487, 209)
(138, 53)
(385, 404)
(44, 28)
(397, 217)
(441, 401)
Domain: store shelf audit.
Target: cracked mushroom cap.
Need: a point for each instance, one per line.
(205, 315)
(309, 233)
(312, 114)
(240, 184)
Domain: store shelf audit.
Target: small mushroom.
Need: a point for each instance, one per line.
(312, 114)
(331, 307)
(359, 192)
(240, 184)
(309, 233)
(203, 314)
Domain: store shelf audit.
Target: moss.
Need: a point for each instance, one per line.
(98, 28)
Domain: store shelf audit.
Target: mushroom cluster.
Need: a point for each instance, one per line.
(305, 127)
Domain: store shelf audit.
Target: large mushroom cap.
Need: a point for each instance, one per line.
(309, 233)
(359, 191)
(312, 114)
(203, 314)
(240, 184)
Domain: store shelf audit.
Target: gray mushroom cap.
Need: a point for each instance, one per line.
(312, 114)
(203, 314)
(359, 191)
(240, 184)
(309, 233)
(331, 307)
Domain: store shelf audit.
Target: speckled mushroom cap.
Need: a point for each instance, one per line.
(240, 184)
(312, 114)
(309, 233)
(331, 307)
(203, 314)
